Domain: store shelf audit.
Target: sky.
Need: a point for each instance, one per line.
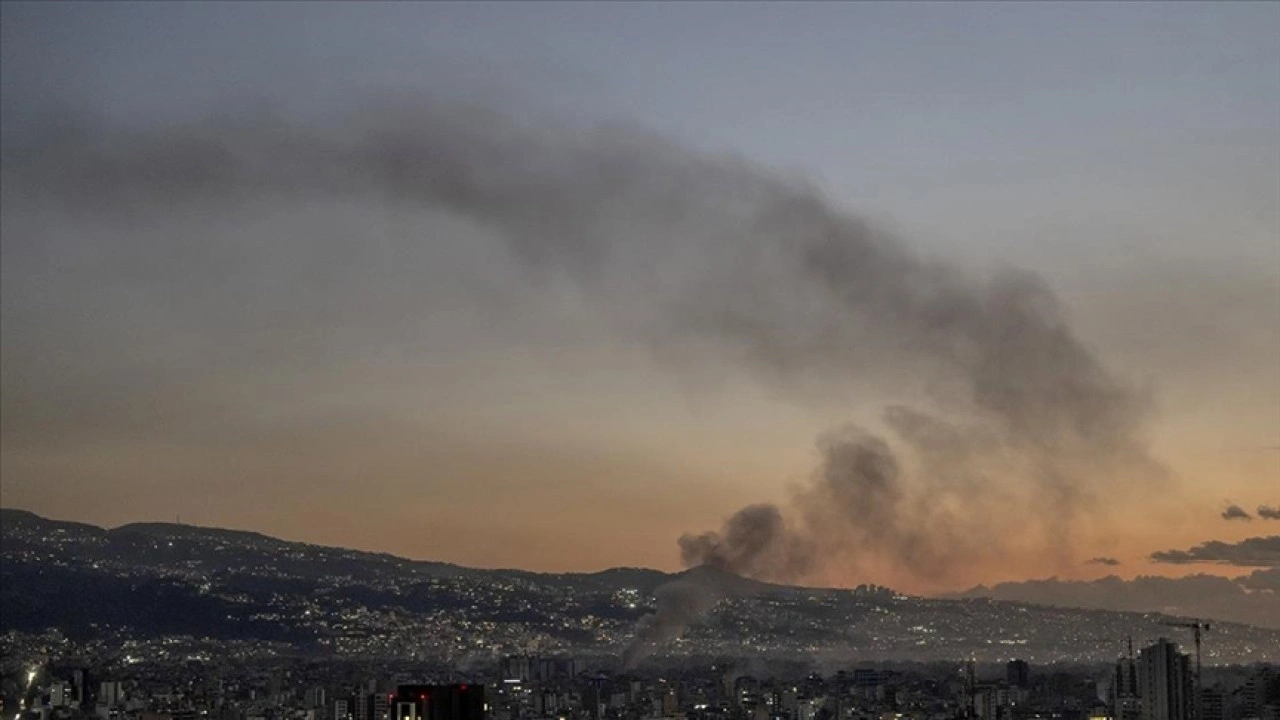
(229, 298)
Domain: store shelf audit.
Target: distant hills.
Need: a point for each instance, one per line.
(1251, 598)
(153, 580)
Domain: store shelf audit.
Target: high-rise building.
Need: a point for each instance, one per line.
(1125, 700)
(61, 694)
(547, 703)
(1164, 682)
(438, 702)
(1213, 703)
(1018, 673)
(985, 706)
(517, 667)
(372, 706)
(1262, 694)
(111, 694)
(670, 705)
(545, 669)
(592, 700)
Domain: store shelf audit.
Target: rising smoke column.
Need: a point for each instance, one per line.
(680, 603)
(1024, 425)
(755, 542)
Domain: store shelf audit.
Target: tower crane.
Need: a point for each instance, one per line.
(1196, 626)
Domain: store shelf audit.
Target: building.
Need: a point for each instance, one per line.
(553, 668)
(592, 699)
(1164, 682)
(1213, 703)
(438, 702)
(1018, 674)
(61, 694)
(111, 694)
(985, 705)
(1126, 703)
(373, 706)
(516, 668)
(1262, 694)
(669, 704)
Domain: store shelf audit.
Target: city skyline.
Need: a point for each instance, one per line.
(215, 318)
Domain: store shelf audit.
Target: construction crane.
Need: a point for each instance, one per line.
(972, 710)
(1196, 626)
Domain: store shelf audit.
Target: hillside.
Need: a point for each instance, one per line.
(157, 579)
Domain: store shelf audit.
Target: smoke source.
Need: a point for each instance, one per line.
(1024, 424)
(679, 603)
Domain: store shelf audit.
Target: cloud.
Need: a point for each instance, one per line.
(1235, 512)
(1102, 560)
(1252, 599)
(1267, 579)
(1252, 552)
(1267, 512)
(1012, 408)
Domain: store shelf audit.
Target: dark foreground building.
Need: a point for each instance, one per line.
(438, 702)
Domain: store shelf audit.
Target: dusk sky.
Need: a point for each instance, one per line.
(540, 369)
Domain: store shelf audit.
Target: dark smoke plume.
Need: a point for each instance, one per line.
(1024, 424)
(679, 604)
(754, 542)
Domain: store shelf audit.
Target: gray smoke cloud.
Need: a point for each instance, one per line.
(1235, 512)
(1266, 512)
(1024, 424)
(754, 542)
(680, 603)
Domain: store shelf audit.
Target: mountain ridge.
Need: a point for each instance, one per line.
(157, 580)
(188, 531)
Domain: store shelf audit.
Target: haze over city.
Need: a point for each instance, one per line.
(919, 295)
